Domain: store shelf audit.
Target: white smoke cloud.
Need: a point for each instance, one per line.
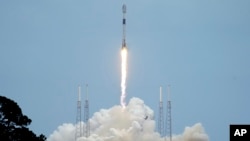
(64, 132)
(135, 122)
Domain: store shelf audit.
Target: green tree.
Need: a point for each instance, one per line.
(13, 124)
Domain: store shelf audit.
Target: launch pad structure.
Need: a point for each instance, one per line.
(169, 117)
(165, 128)
(161, 116)
(86, 115)
(80, 129)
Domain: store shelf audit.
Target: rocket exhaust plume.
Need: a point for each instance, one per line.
(124, 53)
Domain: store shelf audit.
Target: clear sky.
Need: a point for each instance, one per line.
(201, 48)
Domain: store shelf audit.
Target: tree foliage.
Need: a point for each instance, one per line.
(13, 124)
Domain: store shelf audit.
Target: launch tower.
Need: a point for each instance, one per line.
(169, 118)
(79, 130)
(161, 115)
(86, 114)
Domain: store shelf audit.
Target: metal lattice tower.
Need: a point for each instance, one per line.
(169, 118)
(161, 116)
(86, 114)
(78, 132)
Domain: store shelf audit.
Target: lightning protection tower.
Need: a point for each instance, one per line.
(78, 132)
(161, 115)
(86, 115)
(169, 118)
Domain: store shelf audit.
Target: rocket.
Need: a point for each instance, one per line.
(124, 27)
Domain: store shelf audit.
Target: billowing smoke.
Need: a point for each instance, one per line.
(134, 123)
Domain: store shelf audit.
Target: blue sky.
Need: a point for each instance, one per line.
(201, 48)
